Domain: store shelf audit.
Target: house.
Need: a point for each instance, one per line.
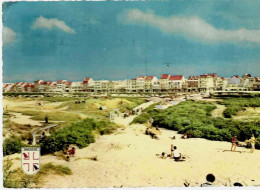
(61, 85)
(51, 86)
(140, 84)
(120, 86)
(192, 84)
(88, 84)
(28, 87)
(248, 81)
(101, 86)
(175, 83)
(131, 85)
(164, 82)
(206, 83)
(7, 87)
(151, 84)
(75, 86)
(256, 84)
(235, 83)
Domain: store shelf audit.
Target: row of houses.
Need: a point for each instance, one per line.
(151, 84)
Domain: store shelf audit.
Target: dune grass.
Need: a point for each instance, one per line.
(18, 179)
(55, 116)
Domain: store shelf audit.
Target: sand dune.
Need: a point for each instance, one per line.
(128, 158)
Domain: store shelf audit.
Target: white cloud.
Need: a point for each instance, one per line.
(51, 23)
(191, 27)
(8, 35)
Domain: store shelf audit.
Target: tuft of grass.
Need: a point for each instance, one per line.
(57, 169)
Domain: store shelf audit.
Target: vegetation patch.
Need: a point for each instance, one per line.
(234, 105)
(195, 118)
(18, 179)
(80, 134)
(12, 145)
(148, 112)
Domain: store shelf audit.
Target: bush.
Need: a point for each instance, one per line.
(194, 118)
(142, 118)
(12, 145)
(79, 133)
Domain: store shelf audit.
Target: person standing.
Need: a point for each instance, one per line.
(151, 121)
(46, 118)
(234, 144)
(252, 141)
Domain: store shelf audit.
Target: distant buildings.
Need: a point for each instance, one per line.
(141, 84)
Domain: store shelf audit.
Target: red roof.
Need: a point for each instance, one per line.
(69, 83)
(133, 79)
(176, 77)
(6, 85)
(59, 81)
(193, 77)
(85, 80)
(142, 77)
(149, 78)
(165, 76)
(213, 74)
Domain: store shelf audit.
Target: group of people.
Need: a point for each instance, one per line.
(149, 131)
(175, 154)
(69, 152)
(133, 112)
(186, 136)
(235, 142)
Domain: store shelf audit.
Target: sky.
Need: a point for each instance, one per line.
(123, 40)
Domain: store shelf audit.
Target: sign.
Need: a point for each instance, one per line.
(30, 159)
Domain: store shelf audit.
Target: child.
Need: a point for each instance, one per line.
(72, 151)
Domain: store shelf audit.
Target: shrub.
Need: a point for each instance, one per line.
(12, 145)
(142, 118)
(79, 133)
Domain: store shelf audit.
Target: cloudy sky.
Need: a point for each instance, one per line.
(120, 40)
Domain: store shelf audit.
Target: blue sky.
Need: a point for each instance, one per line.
(121, 40)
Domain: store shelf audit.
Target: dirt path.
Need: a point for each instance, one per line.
(23, 119)
(218, 112)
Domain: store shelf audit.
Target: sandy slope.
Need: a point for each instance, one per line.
(128, 158)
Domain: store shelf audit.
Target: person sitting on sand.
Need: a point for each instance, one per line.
(173, 137)
(152, 134)
(156, 137)
(210, 179)
(66, 151)
(67, 158)
(72, 151)
(163, 155)
(157, 128)
(184, 136)
(234, 143)
(176, 154)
